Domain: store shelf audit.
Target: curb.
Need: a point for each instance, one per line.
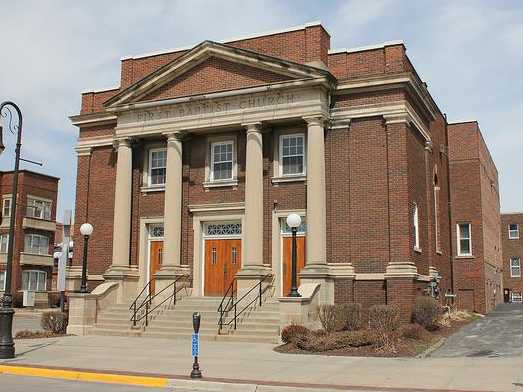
(431, 349)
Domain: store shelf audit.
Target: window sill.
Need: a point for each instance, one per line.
(417, 250)
(149, 189)
(439, 252)
(464, 257)
(278, 180)
(513, 238)
(219, 184)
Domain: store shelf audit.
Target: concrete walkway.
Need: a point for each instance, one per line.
(252, 363)
(499, 334)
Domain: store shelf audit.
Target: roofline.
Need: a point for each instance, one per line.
(101, 90)
(512, 213)
(246, 37)
(463, 122)
(30, 172)
(367, 47)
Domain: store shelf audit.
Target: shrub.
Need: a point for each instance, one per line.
(412, 331)
(335, 341)
(26, 334)
(332, 317)
(291, 332)
(351, 317)
(359, 338)
(426, 312)
(384, 318)
(55, 322)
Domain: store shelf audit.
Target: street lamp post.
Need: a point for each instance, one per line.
(86, 230)
(294, 221)
(7, 345)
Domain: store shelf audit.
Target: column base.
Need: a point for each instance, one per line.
(127, 279)
(166, 276)
(82, 313)
(401, 280)
(320, 274)
(249, 276)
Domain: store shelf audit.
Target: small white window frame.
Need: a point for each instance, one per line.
(2, 236)
(512, 259)
(516, 297)
(32, 236)
(415, 221)
(233, 160)
(5, 201)
(150, 167)
(47, 208)
(280, 154)
(38, 273)
(511, 232)
(2, 287)
(458, 235)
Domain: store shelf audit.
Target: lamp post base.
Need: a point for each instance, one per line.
(294, 292)
(7, 345)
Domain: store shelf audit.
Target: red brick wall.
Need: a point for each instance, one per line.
(511, 248)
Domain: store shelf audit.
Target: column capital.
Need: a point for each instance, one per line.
(253, 126)
(317, 119)
(175, 136)
(122, 142)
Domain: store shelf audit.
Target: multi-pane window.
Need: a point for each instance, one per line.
(36, 244)
(39, 209)
(222, 160)
(2, 280)
(292, 155)
(464, 239)
(34, 280)
(516, 297)
(4, 240)
(515, 267)
(6, 208)
(415, 230)
(513, 231)
(157, 166)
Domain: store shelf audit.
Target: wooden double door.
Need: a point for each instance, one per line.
(287, 261)
(222, 261)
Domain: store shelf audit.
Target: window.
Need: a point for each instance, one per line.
(222, 159)
(285, 229)
(415, 219)
(34, 280)
(157, 166)
(515, 267)
(2, 280)
(464, 240)
(39, 209)
(516, 297)
(513, 231)
(36, 244)
(292, 155)
(4, 240)
(6, 208)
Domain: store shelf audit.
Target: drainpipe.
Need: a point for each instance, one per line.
(449, 208)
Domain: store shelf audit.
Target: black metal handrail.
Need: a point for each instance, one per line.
(148, 300)
(232, 304)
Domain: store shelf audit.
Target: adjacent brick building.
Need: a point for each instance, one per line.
(34, 233)
(476, 227)
(193, 162)
(512, 238)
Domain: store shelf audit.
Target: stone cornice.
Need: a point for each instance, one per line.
(84, 146)
(90, 119)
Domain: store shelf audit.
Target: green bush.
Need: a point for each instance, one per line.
(291, 332)
(55, 322)
(426, 312)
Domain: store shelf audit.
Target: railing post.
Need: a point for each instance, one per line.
(174, 293)
(261, 292)
(147, 314)
(235, 317)
(220, 321)
(134, 315)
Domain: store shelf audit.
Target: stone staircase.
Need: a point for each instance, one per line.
(114, 321)
(257, 325)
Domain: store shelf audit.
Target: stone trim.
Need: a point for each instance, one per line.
(218, 207)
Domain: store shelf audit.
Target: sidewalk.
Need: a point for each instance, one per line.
(259, 364)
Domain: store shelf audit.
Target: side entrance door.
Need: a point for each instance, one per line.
(222, 261)
(155, 261)
(287, 261)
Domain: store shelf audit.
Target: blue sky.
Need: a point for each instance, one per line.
(469, 52)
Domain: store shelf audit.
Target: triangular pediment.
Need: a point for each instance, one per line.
(213, 67)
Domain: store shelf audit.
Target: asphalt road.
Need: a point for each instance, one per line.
(499, 334)
(24, 384)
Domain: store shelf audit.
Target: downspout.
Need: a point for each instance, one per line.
(449, 208)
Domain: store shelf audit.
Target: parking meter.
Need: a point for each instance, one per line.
(196, 318)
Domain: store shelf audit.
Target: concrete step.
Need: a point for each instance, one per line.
(258, 327)
(248, 338)
(186, 331)
(255, 332)
(177, 335)
(114, 332)
(113, 326)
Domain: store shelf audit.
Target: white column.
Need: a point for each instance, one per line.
(253, 224)
(173, 203)
(316, 244)
(122, 204)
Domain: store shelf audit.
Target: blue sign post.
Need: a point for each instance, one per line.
(195, 345)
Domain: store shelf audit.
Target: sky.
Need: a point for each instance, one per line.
(469, 52)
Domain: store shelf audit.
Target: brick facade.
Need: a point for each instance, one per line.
(377, 167)
(512, 248)
(475, 200)
(39, 186)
